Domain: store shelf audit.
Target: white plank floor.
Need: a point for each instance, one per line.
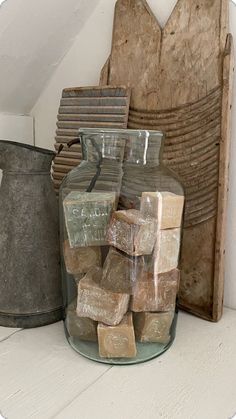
(42, 377)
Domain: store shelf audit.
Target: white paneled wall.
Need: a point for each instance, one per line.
(82, 65)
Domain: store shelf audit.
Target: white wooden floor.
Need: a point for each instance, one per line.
(42, 377)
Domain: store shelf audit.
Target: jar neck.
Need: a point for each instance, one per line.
(95, 149)
(144, 151)
(141, 148)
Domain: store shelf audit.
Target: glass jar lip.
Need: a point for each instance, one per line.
(141, 133)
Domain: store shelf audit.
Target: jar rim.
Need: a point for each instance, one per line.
(138, 132)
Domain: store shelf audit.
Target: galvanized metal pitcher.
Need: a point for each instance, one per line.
(30, 283)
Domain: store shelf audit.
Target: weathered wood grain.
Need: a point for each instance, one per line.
(177, 86)
(228, 71)
(104, 76)
(73, 152)
(92, 110)
(190, 52)
(94, 92)
(96, 101)
(65, 160)
(135, 49)
(91, 117)
(72, 125)
(88, 107)
(62, 168)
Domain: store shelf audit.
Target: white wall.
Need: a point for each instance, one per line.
(34, 36)
(82, 65)
(17, 128)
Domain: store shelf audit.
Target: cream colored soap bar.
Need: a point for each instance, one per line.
(99, 304)
(130, 232)
(78, 260)
(166, 252)
(166, 207)
(80, 327)
(117, 341)
(153, 327)
(117, 273)
(155, 293)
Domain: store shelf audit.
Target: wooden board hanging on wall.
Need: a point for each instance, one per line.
(90, 107)
(181, 79)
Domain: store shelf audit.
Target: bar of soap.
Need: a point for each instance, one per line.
(153, 327)
(130, 232)
(78, 260)
(98, 304)
(80, 327)
(117, 341)
(166, 252)
(155, 293)
(166, 207)
(117, 273)
(87, 217)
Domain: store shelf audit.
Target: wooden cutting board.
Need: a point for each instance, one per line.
(90, 107)
(181, 79)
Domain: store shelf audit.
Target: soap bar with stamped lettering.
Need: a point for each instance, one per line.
(87, 216)
(153, 327)
(80, 327)
(99, 304)
(78, 260)
(117, 341)
(155, 293)
(130, 232)
(166, 207)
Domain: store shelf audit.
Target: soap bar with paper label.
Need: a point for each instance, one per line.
(117, 341)
(87, 216)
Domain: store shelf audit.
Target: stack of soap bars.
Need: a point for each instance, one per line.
(128, 295)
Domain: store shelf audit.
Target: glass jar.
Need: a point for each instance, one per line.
(120, 221)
